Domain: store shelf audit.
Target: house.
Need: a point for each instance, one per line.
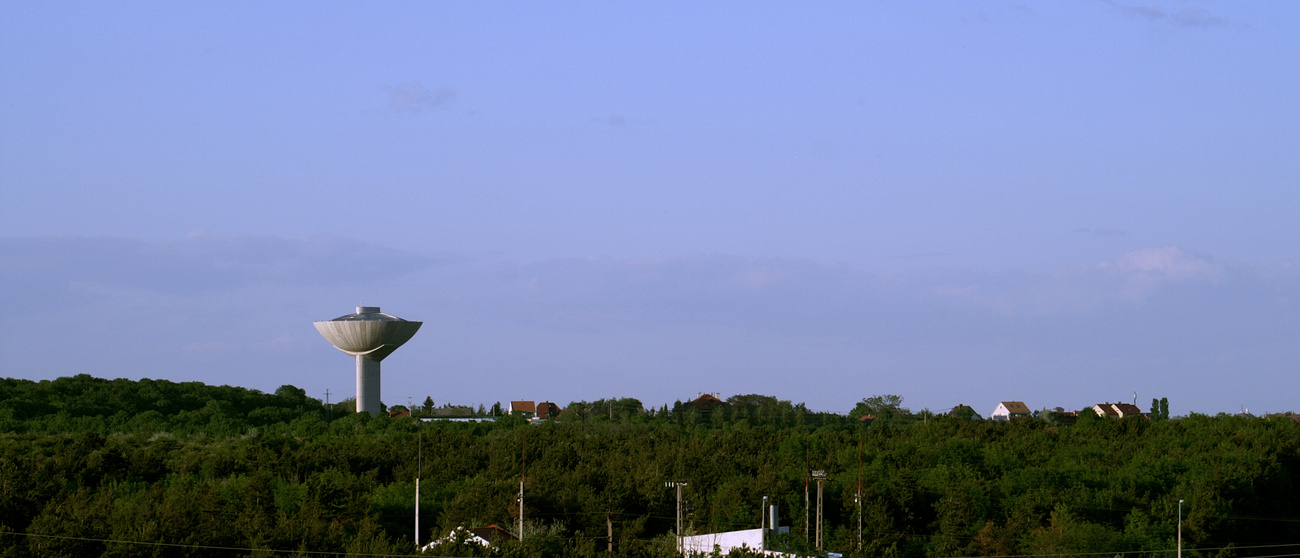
(526, 408)
(492, 534)
(1105, 410)
(547, 410)
(964, 412)
(1116, 410)
(1127, 410)
(706, 403)
(535, 411)
(1061, 416)
(1008, 410)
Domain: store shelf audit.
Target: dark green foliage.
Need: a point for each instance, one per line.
(203, 466)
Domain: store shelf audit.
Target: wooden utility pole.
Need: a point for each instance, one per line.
(806, 507)
(858, 500)
(678, 485)
(523, 464)
(820, 476)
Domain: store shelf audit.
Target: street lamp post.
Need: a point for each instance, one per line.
(1180, 529)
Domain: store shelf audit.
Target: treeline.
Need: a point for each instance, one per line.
(218, 468)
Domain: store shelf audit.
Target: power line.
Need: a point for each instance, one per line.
(208, 547)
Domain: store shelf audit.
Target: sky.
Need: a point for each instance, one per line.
(1061, 203)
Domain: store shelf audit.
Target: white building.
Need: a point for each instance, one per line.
(1008, 410)
(703, 545)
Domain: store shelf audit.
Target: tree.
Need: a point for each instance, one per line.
(883, 407)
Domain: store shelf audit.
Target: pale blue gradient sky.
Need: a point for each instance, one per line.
(960, 202)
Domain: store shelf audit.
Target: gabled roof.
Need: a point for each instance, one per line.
(523, 407)
(546, 409)
(707, 402)
(492, 533)
(1127, 409)
(964, 411)
(1106, 409)
(1017, 407)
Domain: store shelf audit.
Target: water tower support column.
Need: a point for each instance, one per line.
(367, 385)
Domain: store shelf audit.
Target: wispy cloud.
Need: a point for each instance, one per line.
(711, 321)
(412, 98)
(1169, 262)
(619, 121)
(54, 271)
(1184, 16)
(1103, 232)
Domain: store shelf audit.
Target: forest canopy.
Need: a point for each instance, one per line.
(93, 467)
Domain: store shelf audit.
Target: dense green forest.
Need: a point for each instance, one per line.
(94, 467)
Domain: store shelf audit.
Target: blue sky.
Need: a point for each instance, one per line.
(960, 202)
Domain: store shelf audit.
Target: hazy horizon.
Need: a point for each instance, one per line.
(959, 203)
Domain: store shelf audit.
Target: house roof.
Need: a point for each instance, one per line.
(1106, 409)
(1127, 409)
(492, 533)
(707, 401)
(1017, 407)
(523, 406)
(546, 409)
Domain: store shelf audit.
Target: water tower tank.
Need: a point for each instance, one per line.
(369, 335)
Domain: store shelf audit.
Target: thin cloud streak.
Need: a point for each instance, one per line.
(657, 328)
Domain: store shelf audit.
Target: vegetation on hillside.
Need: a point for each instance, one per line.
(92, 467)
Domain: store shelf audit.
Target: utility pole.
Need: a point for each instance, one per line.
(806, 506)
(523, 463)
(1180, 529)
(419, 468)
(820, 476)
(678, 485)
(858, 499)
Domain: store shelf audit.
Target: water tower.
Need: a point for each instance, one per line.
(369, 335)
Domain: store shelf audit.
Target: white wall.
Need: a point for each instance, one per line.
(703, 544)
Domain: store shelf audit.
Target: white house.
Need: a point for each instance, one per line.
(1008, 410)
